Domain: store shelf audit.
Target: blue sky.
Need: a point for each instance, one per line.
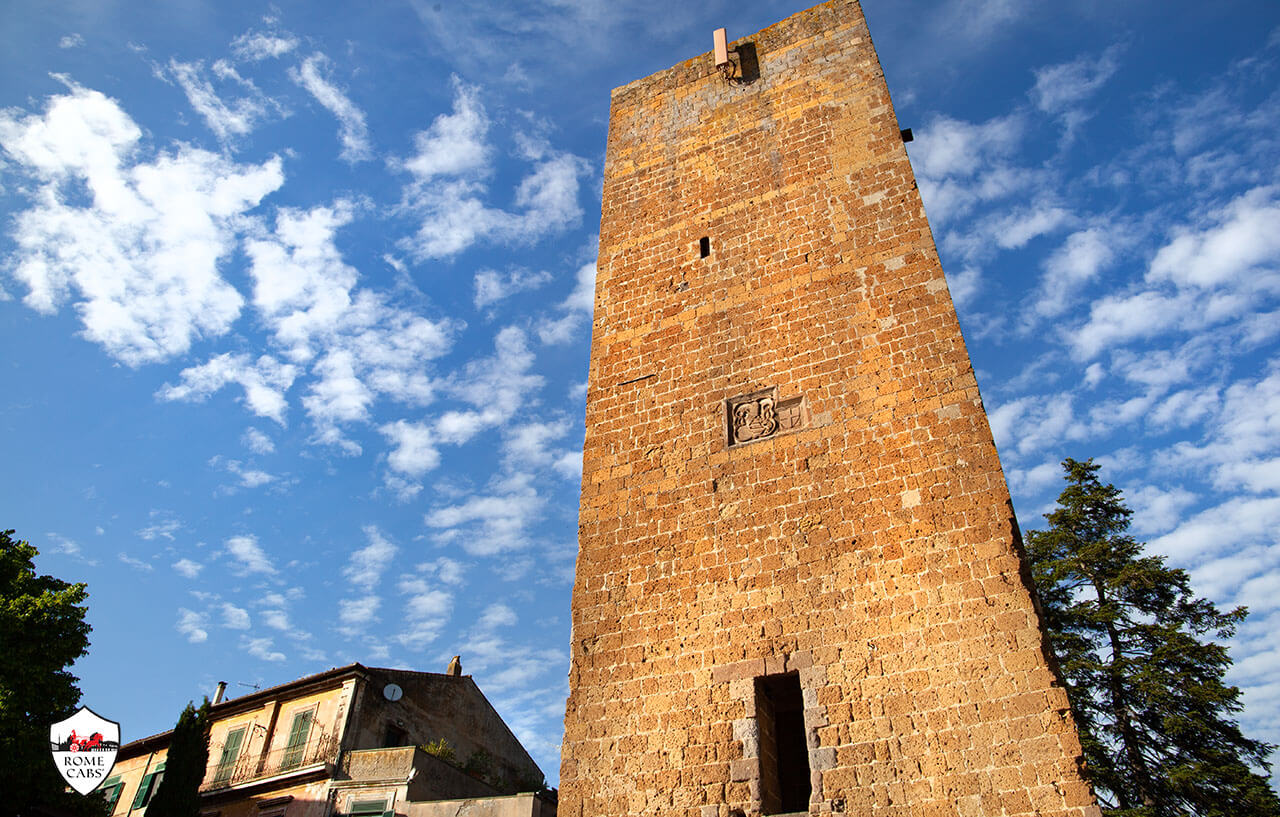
(295, 308)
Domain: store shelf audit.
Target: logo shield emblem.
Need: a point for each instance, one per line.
(84, 748)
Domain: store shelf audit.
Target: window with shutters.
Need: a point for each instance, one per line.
(230, 754)
(111, 788)
(147, 788)
(368, 808)
(296, 749)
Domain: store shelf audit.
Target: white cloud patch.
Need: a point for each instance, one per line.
(491, 523)
(192, 625)
(187, 568)
(257, 442)
(446, 190)
(492, 286)
(426, 611)
(136, 564)
(265, 382)
(454, 144)
(358, 344)
(1218, 271)
(415, 450)
(353, 133)
(368, 563)
(227, 120)
(577, 308)
(250, 555)
(254, 46)
(136, 245)
(1070, 268)
(1065, 86)
(71, 41)
(234, 618)
(262, 648)
(356, 615)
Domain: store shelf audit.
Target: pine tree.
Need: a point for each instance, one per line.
(179, 792)
(1143, 671)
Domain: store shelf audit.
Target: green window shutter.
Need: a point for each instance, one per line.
(230, 754)
(369, 808)
(111, 789)
(298, 739)
(144, 791)
(148, 786)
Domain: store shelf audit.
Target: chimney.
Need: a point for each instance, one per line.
(455, 667)
(220, 692)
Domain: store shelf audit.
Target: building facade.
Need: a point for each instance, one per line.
(354, 740)
(800, 585)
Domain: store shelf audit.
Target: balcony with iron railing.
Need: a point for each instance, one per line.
(250, 767)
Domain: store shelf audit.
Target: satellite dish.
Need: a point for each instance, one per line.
(392, 692)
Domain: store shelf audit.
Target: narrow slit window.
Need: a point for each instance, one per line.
(784, 753)
(704, 246)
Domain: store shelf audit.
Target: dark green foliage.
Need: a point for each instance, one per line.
(1143, 672)
(42, 632)
(178, 794)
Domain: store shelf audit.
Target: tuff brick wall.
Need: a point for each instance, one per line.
(788, 468)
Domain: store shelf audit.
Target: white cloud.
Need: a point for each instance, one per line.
(276, 619)
(254, 46)
(495, 616)
(1216, 271)
(449, 571)
(227, 121)
(492, 286)
(1070, 267)
(446, 191)
(1156, 509)
(142, 255)
(960, 164)
(1222, 529)
(355, 615)
(165, 528)
(265, 382)
(426, 611)
(569, 465)
(188, 568)
(1066, 85)
(1235, 243)
(577, 308)
(368, 563)
(359, 345)
(454, 144)
(262, 648)
(525, 446)
(487, 524)
(353, 133)
(415, 450)
(72, 40)
(234, 618)
(136, 564)
(257, 442)
(192, 625)
(250, 555)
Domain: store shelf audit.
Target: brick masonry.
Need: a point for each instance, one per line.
(788, 467)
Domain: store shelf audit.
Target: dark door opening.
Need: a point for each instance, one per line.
(784, 753)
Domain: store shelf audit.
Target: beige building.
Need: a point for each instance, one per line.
(350, 741)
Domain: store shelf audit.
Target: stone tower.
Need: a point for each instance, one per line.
(799, 584)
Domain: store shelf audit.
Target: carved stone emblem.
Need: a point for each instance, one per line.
(761, 415)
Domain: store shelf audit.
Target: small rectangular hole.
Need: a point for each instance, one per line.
(704, 246)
